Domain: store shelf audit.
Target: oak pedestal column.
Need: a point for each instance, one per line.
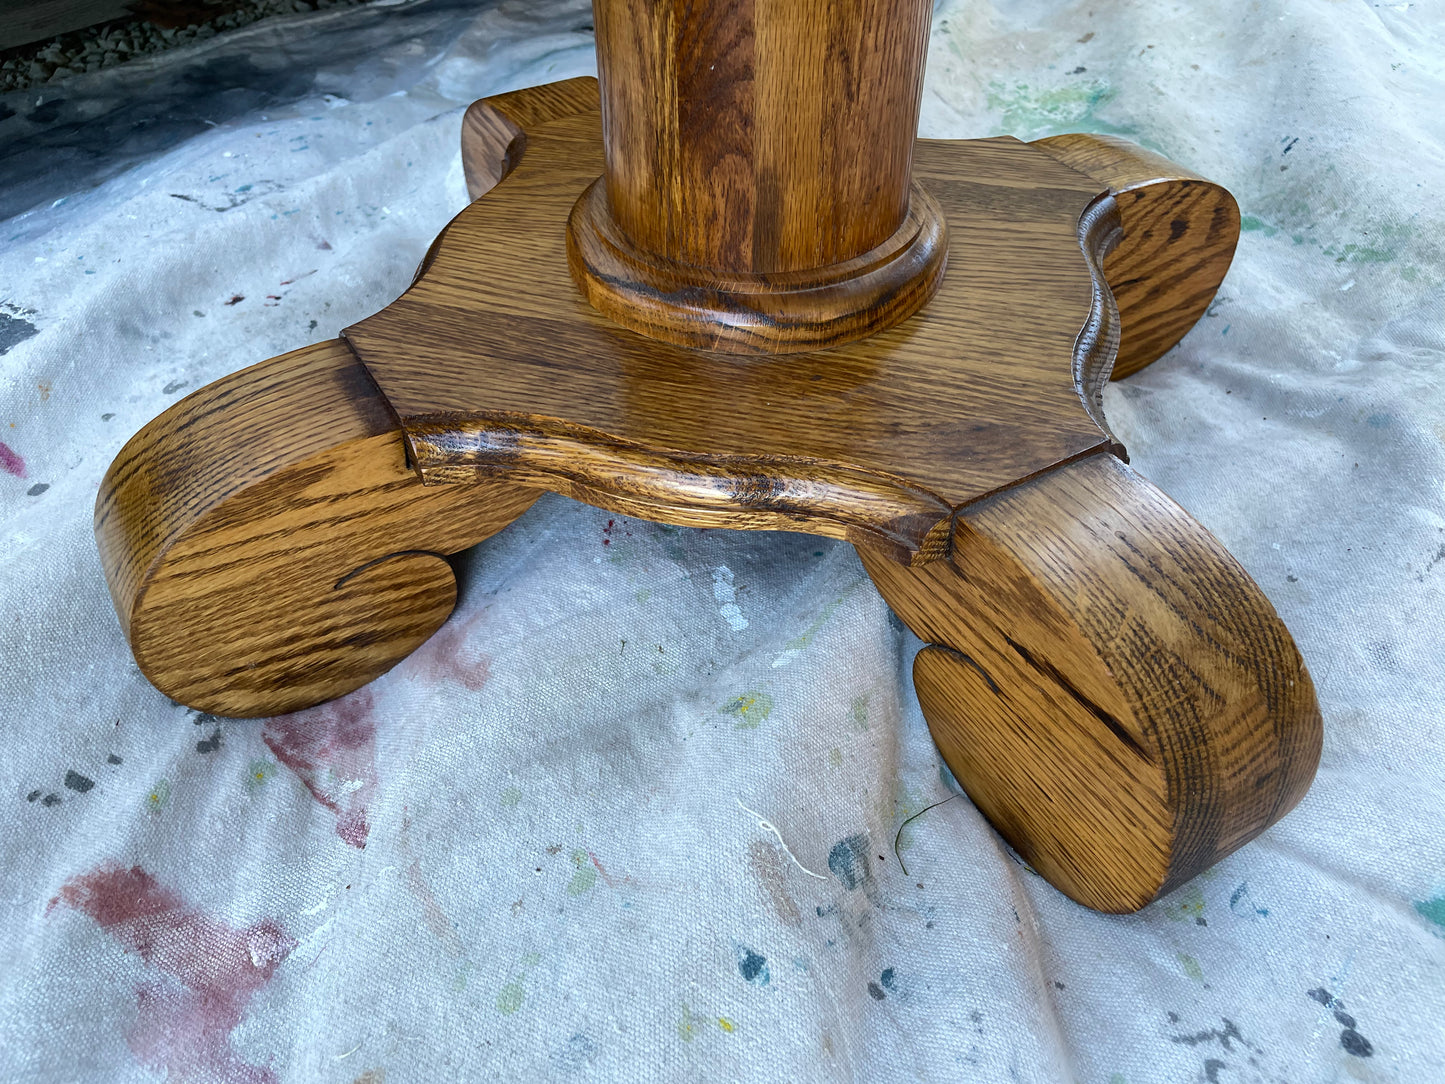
(757, 194)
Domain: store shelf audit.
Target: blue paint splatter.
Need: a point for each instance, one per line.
(1241, 903)
(849, 861)
(1433, 911)
(753, 966)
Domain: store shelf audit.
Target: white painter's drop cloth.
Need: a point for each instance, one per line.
(522, 854)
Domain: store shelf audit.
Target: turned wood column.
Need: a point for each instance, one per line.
(758, 193)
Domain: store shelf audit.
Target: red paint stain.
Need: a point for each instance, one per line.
(608, 879)
(436, 919)
(11, 463)
(183, 1031)
(236, 299)
(450, 655)
(332, 750)
(607, 532)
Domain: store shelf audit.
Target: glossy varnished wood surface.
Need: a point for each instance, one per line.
(1110, 687)
(494, 130)
(1179, 236)
(782, 312)
(1108, 684)
(757, 193)
(759, 136)
(267, 546)
(495, 363)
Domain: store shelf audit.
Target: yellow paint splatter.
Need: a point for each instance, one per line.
(1187, 905)
(726, 1024)
(159, 796)
(259, 773)
(586, 876)
(750, 709)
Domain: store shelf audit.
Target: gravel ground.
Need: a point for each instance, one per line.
(114, 43)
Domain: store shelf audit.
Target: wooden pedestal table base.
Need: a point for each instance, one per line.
(1107, 683)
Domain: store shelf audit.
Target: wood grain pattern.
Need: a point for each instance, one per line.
(757, 193)
(1111, 688)
(781, 312)
(494, 130)
(266, 545)
(1180, 232)
(494, 363)
(759, 135)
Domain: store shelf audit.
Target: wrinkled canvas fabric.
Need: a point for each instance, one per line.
(524, 853)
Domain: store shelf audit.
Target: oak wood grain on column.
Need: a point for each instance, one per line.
(760, 135)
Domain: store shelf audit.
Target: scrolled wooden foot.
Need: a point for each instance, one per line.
(266, 545)
(1110, 687)
(1179, 235)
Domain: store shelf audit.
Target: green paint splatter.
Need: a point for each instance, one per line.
(685, 1025)
(835, 757)
(750, 709)
(1118, 1078)
(511, 796)
(459, 983)
(797, 643)
(159, 796)
(1433, 911)
(1361, 254)
(1188, 904)
(1027, 112)
(858, 712)
(1252, 224)
(510, 998)
(1191, 967)
(259, 773)
(585, 879)
(643, 595)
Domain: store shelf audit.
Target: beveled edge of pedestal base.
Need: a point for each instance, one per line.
(885, 512)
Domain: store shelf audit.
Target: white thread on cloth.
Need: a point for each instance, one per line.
(768, 826)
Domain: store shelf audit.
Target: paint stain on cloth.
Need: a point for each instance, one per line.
(332, 750)
(183, 1027)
